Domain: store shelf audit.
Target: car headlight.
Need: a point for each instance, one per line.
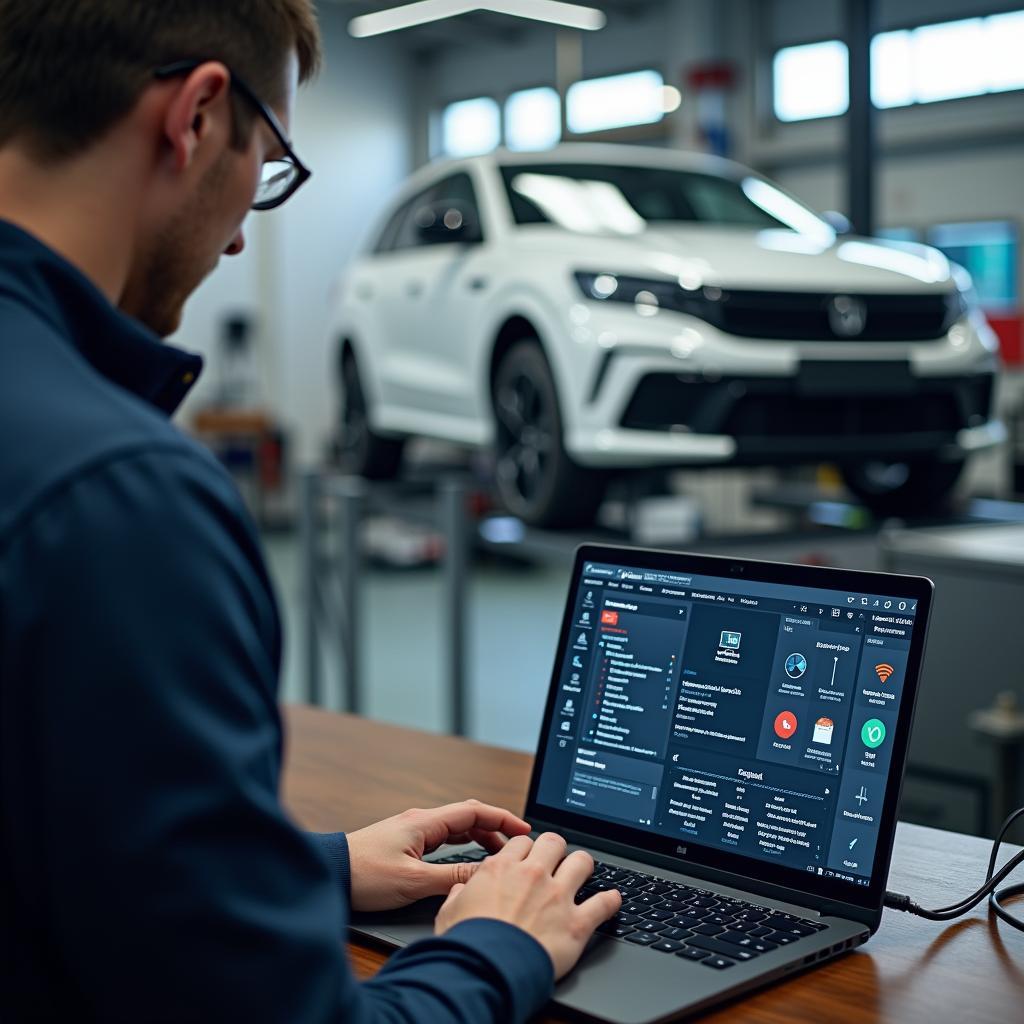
(957, 305)
(648, 295)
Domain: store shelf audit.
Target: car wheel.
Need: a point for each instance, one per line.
(914, 488)
(536, 479)
(361, 451)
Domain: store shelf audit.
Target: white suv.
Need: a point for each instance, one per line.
(598, 308)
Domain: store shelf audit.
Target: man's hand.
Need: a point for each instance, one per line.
(533, 885)
(387, 858)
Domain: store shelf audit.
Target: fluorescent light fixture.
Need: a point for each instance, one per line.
(471, 127)
(599, 104)
(533, 119)
(554, 12)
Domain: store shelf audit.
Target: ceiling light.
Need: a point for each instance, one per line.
(555, 12)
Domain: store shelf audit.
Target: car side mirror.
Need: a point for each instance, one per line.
(446, 222)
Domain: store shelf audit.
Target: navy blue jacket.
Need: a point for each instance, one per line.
(147, 869)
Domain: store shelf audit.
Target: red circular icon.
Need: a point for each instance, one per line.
(785, 725)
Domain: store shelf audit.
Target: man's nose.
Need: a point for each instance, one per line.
(236, 245)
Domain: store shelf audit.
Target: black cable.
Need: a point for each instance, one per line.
(993, 878)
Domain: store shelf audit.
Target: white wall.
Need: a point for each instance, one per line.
(353, 127)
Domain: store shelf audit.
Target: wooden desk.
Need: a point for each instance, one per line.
(344, 772)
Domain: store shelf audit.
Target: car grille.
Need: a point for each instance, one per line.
(763, 412)
(807, 316)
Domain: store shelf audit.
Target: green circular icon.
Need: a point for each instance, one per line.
(873, 733)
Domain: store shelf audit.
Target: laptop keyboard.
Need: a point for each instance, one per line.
(693, 924)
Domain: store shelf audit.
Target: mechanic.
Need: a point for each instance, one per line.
(149, 871)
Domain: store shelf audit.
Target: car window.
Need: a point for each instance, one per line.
(407, 237)
(456, 188)
(386, 241)
(597, 197)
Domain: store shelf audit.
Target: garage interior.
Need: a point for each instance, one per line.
(420, 600)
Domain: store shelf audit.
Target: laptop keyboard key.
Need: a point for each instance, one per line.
(648, 899)
(658, 914)
(621, 918)
(708, 929)
(746, 942)
(642, 938)
(685, 921)
(718, 962)
(798, 928)
(675, 933)
(667, 946)
(692, 953)
(723, 919)
(781, 938)
(670, 903)
(722, 948)
(652, 927)
(616, 931)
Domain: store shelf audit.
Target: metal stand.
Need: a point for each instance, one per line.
(330, 583)
(332, 513)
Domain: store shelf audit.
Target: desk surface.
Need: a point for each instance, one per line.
(344, 772)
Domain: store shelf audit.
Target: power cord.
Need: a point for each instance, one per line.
(993, 878)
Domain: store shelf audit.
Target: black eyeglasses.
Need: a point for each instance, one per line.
(281, 178)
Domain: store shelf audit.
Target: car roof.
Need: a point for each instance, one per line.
(598, 153)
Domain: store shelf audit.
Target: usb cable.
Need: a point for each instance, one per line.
(993, 878)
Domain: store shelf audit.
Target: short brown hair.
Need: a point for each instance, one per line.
(70, 69)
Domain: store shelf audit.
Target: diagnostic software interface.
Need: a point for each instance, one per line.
(756, 717)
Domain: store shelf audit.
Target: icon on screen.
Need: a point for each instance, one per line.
(609, 617)
(730, 640)
(873, 733)
(785, 725)
(796, 666)
(823, 729)
(883, 671)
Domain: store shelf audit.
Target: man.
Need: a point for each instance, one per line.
(147, 869)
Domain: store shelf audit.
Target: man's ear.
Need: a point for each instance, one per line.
(197, 106)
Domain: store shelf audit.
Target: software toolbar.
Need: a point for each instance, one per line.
(749, 716)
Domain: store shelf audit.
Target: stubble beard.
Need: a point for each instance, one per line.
(179, 258)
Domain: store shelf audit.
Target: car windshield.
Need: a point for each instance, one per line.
(596, 198)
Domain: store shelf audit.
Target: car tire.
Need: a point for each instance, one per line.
(361, 452)
(536, 479)
(921, 487)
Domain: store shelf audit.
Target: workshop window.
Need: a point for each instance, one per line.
(533, 119)
(811, 81)
(619, 101)
(470, 127)
(944, 61)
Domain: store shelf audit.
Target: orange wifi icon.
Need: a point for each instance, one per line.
(884, 671)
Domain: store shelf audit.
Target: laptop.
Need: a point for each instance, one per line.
(727, 738)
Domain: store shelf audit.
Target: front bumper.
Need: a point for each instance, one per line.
(856, 412)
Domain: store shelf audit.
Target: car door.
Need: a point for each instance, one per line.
(439, 289)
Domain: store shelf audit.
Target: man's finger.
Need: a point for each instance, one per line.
(492, 842)
(598, 908)
(453, 819)
(517, 848)
(573, 872)
(440, 879)
(548, 849)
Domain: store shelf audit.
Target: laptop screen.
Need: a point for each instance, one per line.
(735, 715)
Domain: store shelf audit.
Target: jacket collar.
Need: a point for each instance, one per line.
(116, 345)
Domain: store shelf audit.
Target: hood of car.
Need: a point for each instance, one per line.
(732, 257)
